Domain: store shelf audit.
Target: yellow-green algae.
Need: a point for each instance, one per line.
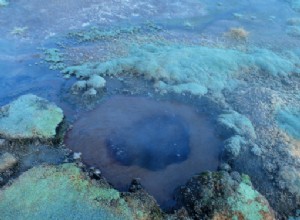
(60, 192)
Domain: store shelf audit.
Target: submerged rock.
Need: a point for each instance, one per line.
(7, 161)
(30, 117)
(219, 195)
(62, 192)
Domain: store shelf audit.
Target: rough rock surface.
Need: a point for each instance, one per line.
(62, 192)
(288, 120)
(29, 117)
(7, 161)
(145, 206)
(194, 69)
(220, 195)
(233, 123)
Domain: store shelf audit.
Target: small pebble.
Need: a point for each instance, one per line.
(77, 155)
(7, 161)
(2, 142)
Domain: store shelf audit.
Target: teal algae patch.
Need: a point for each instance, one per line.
(247, 202)
(55, 58)
(194, 69)
(218, 195)
(296, 217)
(62, 192)
(3, 3)
(288, 120)
(29, 117)
(295, 4)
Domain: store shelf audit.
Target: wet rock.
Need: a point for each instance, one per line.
(291, 177)
(233, 123)
(95, 173)
(77, 155)
(78, 86)
(180, 214)
(219, 195)
(135, 185)
(7, 161)
(64, 192)
(256, 150)
(2, 142)
(288, 119)
(143, 205)
(30, 117)
(96, 82)
(225, 167)
(90, 93)
(233, 146)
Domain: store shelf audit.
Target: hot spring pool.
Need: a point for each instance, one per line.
(162, 143)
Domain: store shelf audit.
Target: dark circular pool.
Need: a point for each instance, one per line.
(161, 143)
(140, 144)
